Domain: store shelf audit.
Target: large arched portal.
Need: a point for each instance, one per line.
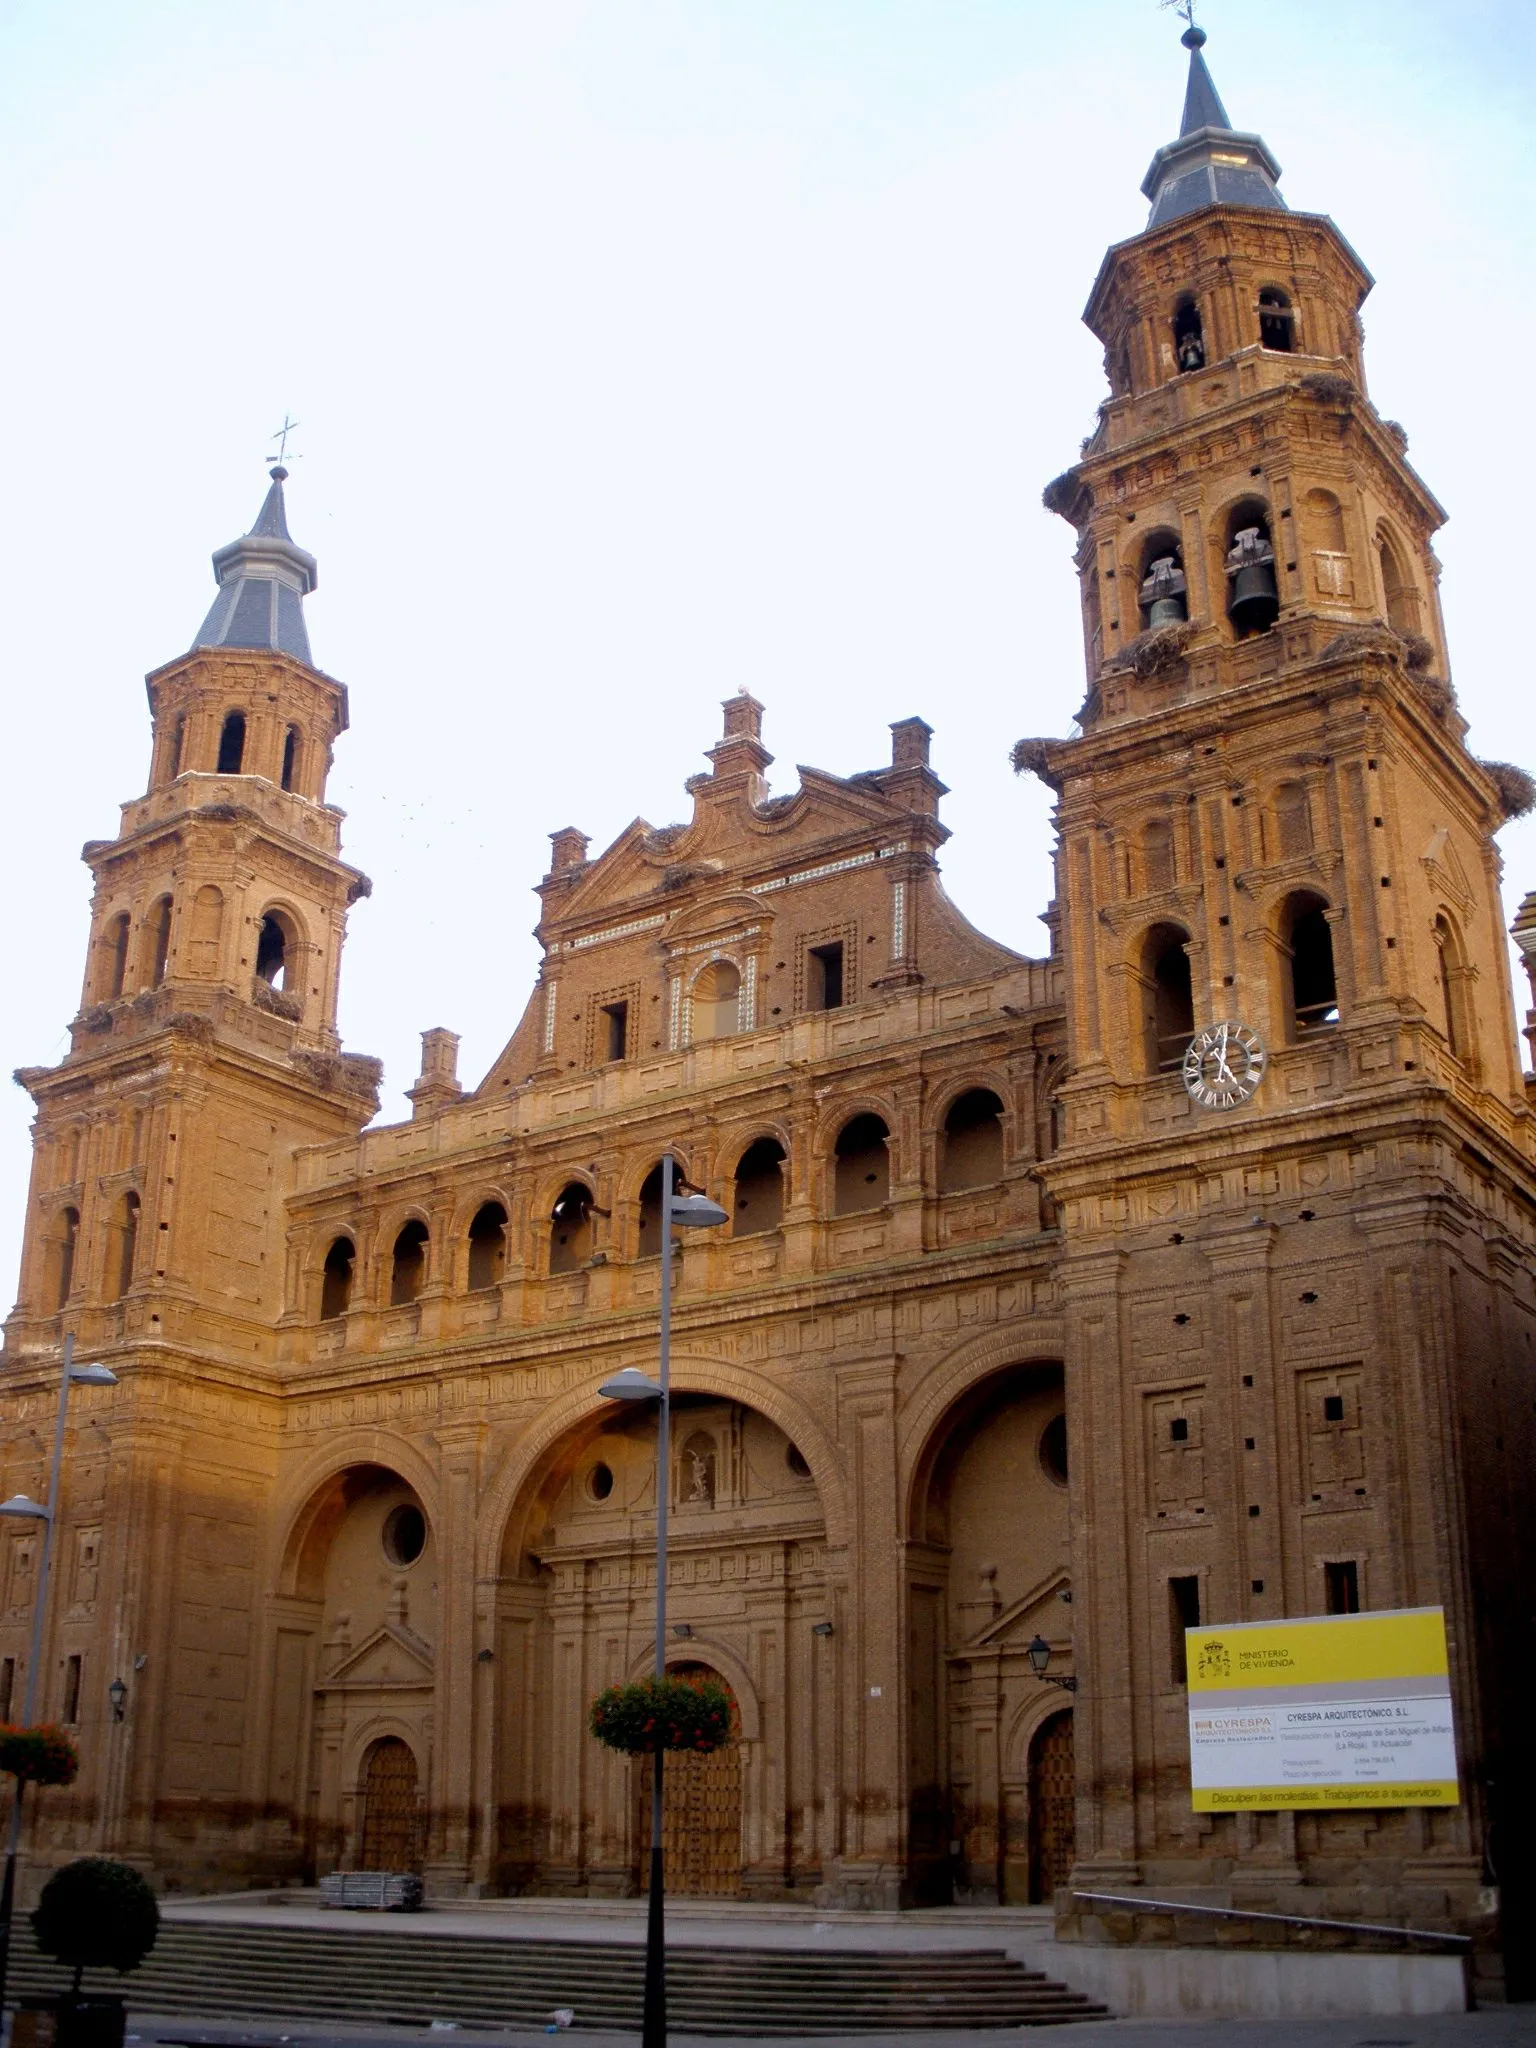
(575, 1613)
(987, 1567)
(700, 1810)
(354, 1667)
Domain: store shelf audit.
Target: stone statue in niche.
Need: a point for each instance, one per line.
(698, 1473)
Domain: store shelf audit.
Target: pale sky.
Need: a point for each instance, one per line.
(645, 350)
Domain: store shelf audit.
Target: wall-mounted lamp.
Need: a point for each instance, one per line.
(140, 1661)
(117, 1693)
(683, 1630)
(1038, 1651)
(821, 1628)
(485, 1657)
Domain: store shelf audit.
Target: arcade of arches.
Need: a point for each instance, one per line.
(359, 1707)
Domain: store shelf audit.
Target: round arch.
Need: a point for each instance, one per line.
(380, 1727)
(732, 1145)
(690, 1375)
(302, 1495)
(701, 1650)
(921, 1431)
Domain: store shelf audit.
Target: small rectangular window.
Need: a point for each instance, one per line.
(1178, 1429)
(824, 977)
(1342, 1587)
(1183, 1613)
(7, 1686)
(71, 1713)
(616, 1026)
(1333, 1407)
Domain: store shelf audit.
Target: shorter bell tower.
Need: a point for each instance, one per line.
(206, 1048)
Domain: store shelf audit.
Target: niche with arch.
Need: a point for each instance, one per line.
(971, 1148)
(204, 928)
(1322, 526)
(570, 1228)
(487, 1246)
(1292, 821)
(1159, 865)
(408, 1263)
(336, 1279)
(1168, 1004)
(1455, 980)
(862, 1168)
(716, 1001)
(1311, 983)
(759, 1188)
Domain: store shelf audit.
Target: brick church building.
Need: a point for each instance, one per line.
(1011, 1334)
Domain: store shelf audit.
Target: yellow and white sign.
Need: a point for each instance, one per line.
(1340, 1710)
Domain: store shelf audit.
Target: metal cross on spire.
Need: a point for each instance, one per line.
(280, 436)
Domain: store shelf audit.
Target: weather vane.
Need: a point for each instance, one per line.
(1184, 9)
(280, 436)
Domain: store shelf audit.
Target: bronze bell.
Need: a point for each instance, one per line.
(1254, 604)
(1163, 592)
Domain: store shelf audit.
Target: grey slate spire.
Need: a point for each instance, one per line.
(263, 578)
(1212, 163)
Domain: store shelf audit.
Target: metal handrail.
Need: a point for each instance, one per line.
(1140, 1905)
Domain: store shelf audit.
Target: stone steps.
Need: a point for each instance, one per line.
(390, 1974)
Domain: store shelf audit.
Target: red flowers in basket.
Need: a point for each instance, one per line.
(662, 1713)
(38, 1756)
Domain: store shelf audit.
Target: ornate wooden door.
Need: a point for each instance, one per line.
(391, 1822)
(700, 1814)
(1052, 1809)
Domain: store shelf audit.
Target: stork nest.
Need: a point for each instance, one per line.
(1154, 652)
(1517, 790)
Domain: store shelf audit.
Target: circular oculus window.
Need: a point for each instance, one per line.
(405, 1533)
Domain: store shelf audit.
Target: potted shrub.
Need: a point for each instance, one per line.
(94, 1914)
(662, 1713)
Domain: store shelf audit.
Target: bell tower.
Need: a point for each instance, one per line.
(205, 1049)
(1295, 1112)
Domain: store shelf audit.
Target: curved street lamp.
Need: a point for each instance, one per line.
(21, 1507)
(693, 1211)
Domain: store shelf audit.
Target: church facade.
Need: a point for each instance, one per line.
(1013, 1334)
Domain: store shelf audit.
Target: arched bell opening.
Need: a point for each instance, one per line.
(1277, 320)
(336, 1279)
(1397, 588)
(231, 760)
(1253, 594)
(1162, 591)
(1188, 335)
(276, 951)
(1311, 980)
(987, 1562)
(1168, 1003)
(739, 1490)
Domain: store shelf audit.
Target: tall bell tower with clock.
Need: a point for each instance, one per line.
(1296, 1169)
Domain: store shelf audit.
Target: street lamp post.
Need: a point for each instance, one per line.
(692, 1211)
(20, 1508)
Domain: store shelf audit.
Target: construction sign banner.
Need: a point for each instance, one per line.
(1339, 1710)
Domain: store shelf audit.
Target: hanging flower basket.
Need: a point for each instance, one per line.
(38, 1756)
(662, 1713)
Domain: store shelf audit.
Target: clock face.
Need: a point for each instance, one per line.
(1224, 1065)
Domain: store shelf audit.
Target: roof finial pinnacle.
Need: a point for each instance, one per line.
(1194, 37)
(278, 474)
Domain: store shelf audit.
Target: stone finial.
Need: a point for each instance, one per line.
(438, 1082)
(569, 848)
(909, 743)
(740, 756)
